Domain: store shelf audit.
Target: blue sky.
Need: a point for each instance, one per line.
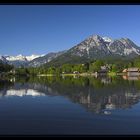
(40, 29)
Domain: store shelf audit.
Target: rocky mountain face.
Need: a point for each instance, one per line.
(30, 61)
(44, 59)
(3, 59)
(94, 47)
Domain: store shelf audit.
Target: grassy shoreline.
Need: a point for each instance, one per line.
(82, 74)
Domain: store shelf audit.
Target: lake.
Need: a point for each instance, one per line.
(70, 105)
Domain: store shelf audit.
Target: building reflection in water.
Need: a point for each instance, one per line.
(125, 77)
(100, 95)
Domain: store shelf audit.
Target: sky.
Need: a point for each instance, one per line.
(40, 29)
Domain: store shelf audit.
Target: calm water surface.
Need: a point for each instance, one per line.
(70, 105)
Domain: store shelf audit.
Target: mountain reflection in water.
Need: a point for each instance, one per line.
(98, 95)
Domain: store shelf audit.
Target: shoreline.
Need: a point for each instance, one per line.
(83, 74)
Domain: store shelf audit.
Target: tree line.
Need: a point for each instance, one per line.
(116, 66)
(113, 65)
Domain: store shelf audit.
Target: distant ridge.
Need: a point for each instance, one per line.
(93, 47)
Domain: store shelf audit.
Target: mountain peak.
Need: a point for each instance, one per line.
(93, 47)
(20, 55)
(107, 39)
(96, 37)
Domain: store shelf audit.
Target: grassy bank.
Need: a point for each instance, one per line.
(81, 74)
(112, 74)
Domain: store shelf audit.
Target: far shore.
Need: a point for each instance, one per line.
(83, 74)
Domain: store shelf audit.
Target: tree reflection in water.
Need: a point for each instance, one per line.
(98, 95)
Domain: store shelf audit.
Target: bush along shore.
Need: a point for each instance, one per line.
(92, 68)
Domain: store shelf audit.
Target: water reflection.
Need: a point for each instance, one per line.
(98, 95)
(125, 77)
(23, 92)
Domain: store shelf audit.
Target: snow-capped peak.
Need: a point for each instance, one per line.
(33, 56)
(20, 57)
(96, 37)
(15, 58)
(107, 39)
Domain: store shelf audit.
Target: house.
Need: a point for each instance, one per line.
(102, 71)
(76, 72)
(103, 67)
(124, 71)
(133, 72)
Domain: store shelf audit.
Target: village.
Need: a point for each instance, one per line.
(132, 73)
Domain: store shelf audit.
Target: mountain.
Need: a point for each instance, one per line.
(22, 58)
(33, 60)
(97, 47)
(18, 60)
(45, 59)
(93, 47)
(3, 59)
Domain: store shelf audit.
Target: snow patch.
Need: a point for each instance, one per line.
(30, 58)
(127, 51)
(136, 50)
(22, 58)
(107, 39)
(87, 49)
